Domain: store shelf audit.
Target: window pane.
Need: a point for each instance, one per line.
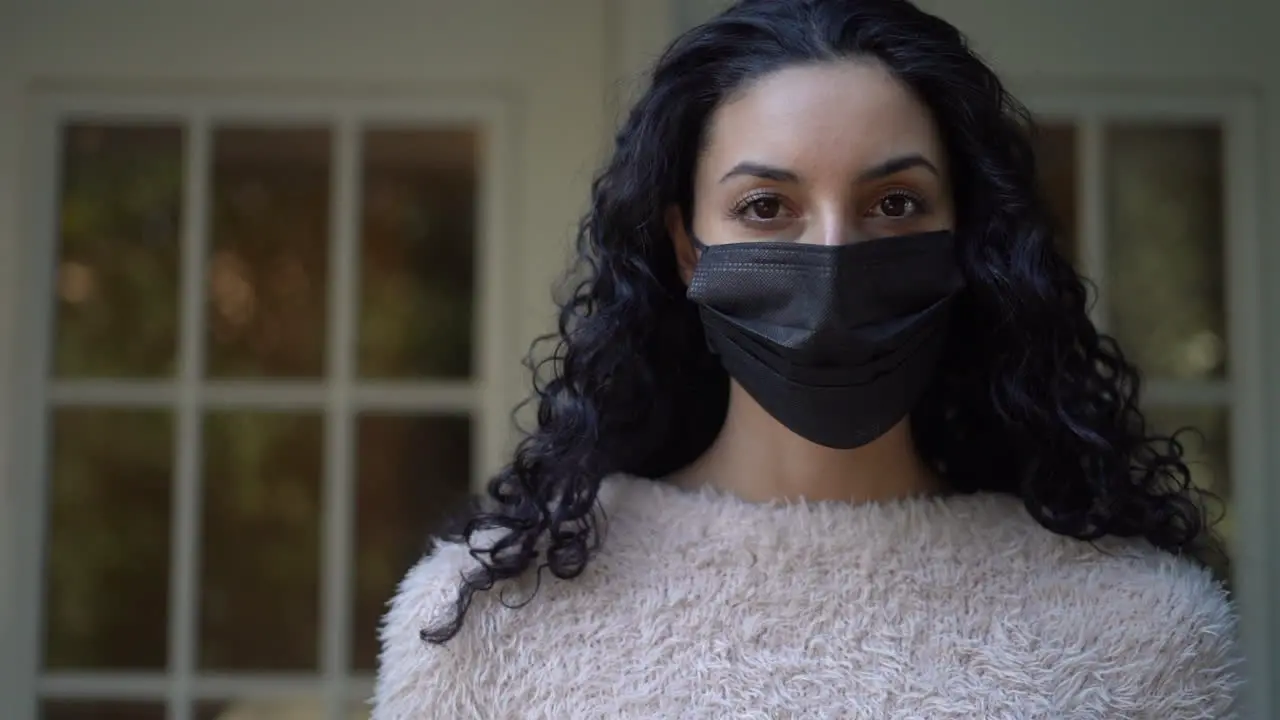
(1208, 455)
(260, 562)
(413, 471)
(1056, 158)
(418, 253)
(101, 710)
(117, 275)
(268, 267)
(1165, 248)
(282, 708)
(1207, 451)
(107, 570)
(305, 707)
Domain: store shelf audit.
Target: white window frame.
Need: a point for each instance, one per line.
(487, 397)
(1244, 391)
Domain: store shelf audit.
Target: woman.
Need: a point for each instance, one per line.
(827, 431)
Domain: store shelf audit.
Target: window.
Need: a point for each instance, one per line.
(273, 366)
(1155, 201)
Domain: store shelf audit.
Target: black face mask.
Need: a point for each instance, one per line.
(836, 342)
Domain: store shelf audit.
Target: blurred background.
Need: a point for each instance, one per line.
(268, 268)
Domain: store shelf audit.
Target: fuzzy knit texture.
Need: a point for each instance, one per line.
(701, 605)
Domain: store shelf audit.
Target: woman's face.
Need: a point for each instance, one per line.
(824, 154)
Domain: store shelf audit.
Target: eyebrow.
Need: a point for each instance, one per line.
(896, 165)
(765, 172)
(889, 167)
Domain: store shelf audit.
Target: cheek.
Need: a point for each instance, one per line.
(947, 210)
(710, 211)
(944, 210)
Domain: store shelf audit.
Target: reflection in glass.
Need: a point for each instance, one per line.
(261, 541)
(117, 274)
(418, 253)
(1056, 161)
(269, 261)
(107, 570)
(412, 472)
(1165, 248)
(101, 710)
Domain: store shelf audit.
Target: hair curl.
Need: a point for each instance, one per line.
(1033, 401)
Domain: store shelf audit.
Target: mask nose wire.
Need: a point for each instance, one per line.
(847, 238)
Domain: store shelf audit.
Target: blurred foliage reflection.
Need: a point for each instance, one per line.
(267, 302)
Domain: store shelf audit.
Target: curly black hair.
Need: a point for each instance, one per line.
(1032, 401)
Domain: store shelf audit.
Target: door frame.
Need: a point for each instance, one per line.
(490, 394)
(1251, 378)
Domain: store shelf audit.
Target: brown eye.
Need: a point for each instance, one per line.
(766, 208)
(897, 206)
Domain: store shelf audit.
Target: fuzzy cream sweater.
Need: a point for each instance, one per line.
(700, 605)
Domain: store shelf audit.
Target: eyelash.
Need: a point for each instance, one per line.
(740, 208)
(921, 206)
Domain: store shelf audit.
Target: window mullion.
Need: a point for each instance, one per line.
(185, 542)
(1186, 393)
(1251, 435)
(339, 481)
(33, 440)
(1092, 219)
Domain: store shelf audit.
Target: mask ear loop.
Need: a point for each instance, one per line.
(700, 247)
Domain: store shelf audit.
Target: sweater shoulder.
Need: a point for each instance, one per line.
(1157, 630)
(1167, 624)
(415, 674)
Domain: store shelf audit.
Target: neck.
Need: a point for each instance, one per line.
(759, 460)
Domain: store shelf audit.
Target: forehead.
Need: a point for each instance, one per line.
(845, 112)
